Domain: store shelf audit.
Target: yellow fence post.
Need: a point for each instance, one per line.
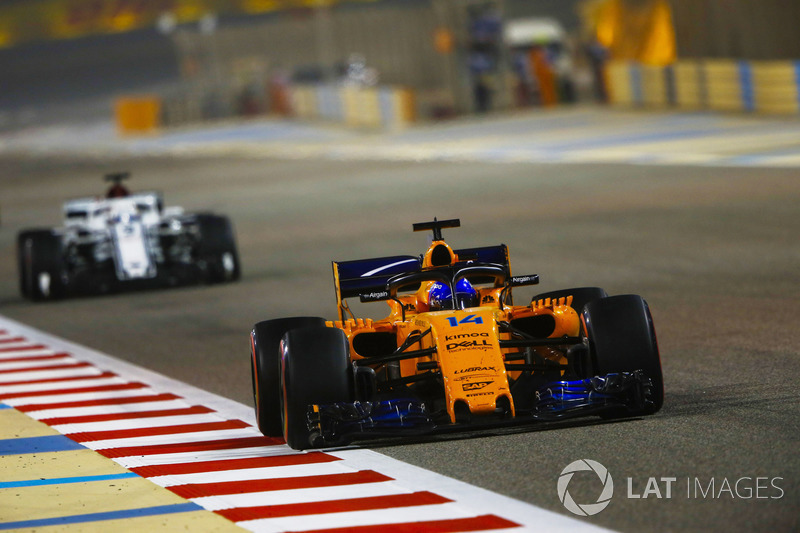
(776, 86)
(351, 105)
(723, 85)
(689, 84)
(620, 86)
(304, 101)
(655, 92)
(370, 108)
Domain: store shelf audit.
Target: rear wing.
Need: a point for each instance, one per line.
(496, 255)
(367, 278)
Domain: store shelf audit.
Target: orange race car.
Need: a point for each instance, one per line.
(454, 352)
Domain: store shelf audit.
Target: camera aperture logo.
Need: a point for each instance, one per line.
(585, 509)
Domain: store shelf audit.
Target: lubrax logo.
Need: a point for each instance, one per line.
(465, 336)
(476, 369)
(467, 344)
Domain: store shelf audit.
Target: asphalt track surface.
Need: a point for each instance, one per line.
(713, 250)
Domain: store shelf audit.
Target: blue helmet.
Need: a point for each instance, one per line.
(441, 297)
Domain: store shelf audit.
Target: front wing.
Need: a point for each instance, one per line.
(625, 393)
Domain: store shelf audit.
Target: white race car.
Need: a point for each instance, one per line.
(125, 240)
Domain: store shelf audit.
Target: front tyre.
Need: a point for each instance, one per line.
(265, 366)
(41, 265)
(622, 338)
(315, 370)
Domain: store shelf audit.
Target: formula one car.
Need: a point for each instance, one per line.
(454, 352)
(124, 240)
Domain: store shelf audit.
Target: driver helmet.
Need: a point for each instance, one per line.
(441, 297)
(117, 191)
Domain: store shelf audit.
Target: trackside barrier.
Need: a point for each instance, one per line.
(689, 86)
(329, 104)
(656, 86)
(361, 106)
(137, 115)
(303, 100)
(398, 107)
(715, 84)
(383, 107)
(622, 83)
(776, 86)
(728, 86)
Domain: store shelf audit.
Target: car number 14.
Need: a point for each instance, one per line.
(469, 319)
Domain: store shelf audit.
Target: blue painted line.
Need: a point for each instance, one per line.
(386, 105)
(702, 79)
(797, 81)
(4, 406)
(329, 103)
(98, 517)
(669, 83)
(50, 443)
(64, 480)
(746, 83)
(636, 83)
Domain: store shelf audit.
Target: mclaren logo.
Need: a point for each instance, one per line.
(475, 385)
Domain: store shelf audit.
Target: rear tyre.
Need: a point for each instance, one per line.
(41, 265)
(316, 370)
(265, 366)
(580, 296)
(622, 338)
(217, 248)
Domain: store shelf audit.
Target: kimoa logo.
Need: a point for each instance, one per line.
(465, 336)
(585, 509)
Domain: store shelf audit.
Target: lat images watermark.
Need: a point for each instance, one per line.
(665, 487)
(585, 509)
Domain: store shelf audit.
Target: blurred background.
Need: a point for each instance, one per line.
(153, 64)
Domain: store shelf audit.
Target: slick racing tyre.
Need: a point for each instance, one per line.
(217, 248)
(580, 296)
(315, 370)
(41, 265)
(622, 338)
(265, 357)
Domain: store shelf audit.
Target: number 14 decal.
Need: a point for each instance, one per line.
(469, 319)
